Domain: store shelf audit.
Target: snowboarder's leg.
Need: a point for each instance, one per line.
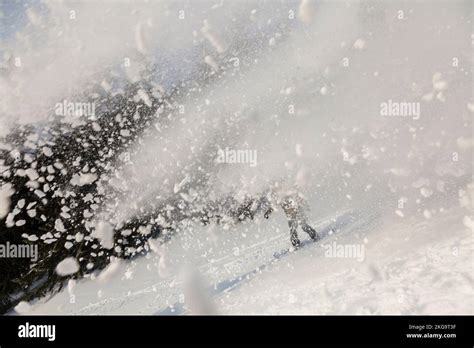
(265, 206)
(311, 231)
(267, 213)
(293, 224)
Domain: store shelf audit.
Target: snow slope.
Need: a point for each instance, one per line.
(408, 267)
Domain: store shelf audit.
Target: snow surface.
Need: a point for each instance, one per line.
(410, 267)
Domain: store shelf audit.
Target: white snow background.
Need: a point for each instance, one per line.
(398, 186)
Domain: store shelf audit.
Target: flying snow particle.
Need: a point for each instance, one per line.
(32, 238)
(47, 151)
(5, 193)
(465, 143)
(22, 307)
(20, 223)
(96, 127)
(142, 95)
(83, 179)
(31, 213)
(140, 39)
(400, 171)
(78, 237)
(211, 62)
(421, 182)
(104, 232)
(59, 226)
(71, 284)
(33, 17)
(468, 222)
(213, 38)
(426, 192)
(307, 11)
(196, 293)
(105, 85)
(32, 174)
(125, 132)
(438, 83)
(299, 150)
(359, 44)
(67, 266)
(109, 271)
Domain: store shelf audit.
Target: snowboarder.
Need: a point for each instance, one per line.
(294, 207)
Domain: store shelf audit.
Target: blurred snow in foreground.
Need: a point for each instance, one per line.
(366, 109)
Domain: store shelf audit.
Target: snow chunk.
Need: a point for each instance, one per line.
(468, 222)
(307, 11)
(427, 214)
(33, 17)
(67, 266)
(426, 192)
(400, 171)
(106, 86)
(141, 94)
(359, 44)
(104, 232)
(109, 271)
(32, 174)
(139, 38)
(438, 83)
(470, 107)
(196, 294)
(21, 203)
(421, 182)
(96, 127)
(22, 307)
(125, 132)
(299, 150)
(211, 62)
(465, 143)
(83, 179)
(47, 151)
(59, 226)
(5, 193)
(33, 238)
(213, 37)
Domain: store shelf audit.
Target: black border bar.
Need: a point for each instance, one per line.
(260, 330)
